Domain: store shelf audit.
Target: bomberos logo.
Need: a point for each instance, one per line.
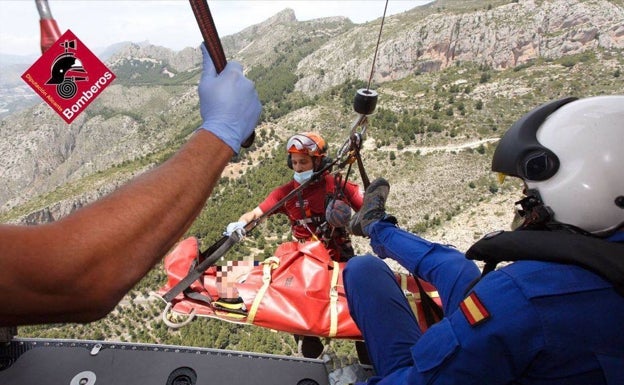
(68, 76)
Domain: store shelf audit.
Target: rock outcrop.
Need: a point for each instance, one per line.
(501, 37)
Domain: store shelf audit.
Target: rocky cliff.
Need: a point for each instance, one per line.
(500, 37)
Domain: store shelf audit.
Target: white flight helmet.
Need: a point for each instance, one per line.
(570, 153)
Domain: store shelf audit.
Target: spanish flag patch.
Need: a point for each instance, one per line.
(473, 310)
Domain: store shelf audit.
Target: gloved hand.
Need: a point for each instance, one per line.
(238, 227)
(228, 102)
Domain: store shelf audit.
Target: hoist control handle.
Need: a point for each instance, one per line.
(213, 44)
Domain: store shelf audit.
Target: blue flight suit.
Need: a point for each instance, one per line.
(535, 323)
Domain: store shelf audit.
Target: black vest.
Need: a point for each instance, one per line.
(594, 254)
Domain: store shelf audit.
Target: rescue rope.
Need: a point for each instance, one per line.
(370, 79)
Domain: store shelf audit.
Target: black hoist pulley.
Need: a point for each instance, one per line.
(365, 101)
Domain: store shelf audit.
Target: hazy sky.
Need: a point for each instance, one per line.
(169, 23)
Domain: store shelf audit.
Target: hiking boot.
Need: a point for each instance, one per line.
(373, 208)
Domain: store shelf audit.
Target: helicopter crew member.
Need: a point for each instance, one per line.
(554, 315)
(307, 154)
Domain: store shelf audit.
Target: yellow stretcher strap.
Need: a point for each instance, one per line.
(333, 301)
(269, 264)
(409, 295)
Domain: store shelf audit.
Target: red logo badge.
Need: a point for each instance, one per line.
(68, 76)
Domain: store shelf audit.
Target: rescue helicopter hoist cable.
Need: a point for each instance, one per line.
(364, 104)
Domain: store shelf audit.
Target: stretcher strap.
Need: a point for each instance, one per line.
(333, 301)
(409, 295)
(269, 264)
(431, 310)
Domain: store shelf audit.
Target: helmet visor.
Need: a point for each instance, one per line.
(302, 144)
(520, 154)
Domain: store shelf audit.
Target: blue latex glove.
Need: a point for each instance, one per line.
(228, 102)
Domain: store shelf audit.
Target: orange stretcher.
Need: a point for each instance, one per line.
(298, 290)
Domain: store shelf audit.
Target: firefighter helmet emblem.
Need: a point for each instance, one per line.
(66, 71)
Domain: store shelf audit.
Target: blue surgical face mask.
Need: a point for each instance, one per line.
(302, 177)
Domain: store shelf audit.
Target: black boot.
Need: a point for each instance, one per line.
(373, 208)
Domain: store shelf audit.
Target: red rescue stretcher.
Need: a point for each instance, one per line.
(299, 290)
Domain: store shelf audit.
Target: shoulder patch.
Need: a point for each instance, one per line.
(473, 310)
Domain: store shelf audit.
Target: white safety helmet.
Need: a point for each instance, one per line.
(570, 154)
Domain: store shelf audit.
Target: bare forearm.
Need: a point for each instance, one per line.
(149, 215)
(91, 258)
